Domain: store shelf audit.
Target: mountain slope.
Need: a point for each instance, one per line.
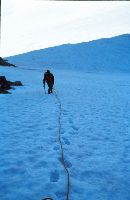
(95, 132)
(100, 55)
(94, 125)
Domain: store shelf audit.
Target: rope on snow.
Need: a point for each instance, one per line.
(59, 138)
(62, 149)
(61, 145)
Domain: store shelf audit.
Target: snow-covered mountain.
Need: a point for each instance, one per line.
(91, 113)
(96, 56)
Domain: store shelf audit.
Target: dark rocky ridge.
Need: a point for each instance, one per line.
(6, 85)
(4, 62)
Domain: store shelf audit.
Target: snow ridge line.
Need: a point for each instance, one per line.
(29, 69)
(61, 145)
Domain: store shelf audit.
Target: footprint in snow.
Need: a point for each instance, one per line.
(66, 141)
(68, 164)
(54, 176)
(50, 128)
(60, 194)
(40, 164)
(73, 131)
(65, 112)
(56, 148)
(70, 121)
(75, 128)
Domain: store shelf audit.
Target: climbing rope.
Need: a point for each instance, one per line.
(61, 145)
(62, 149)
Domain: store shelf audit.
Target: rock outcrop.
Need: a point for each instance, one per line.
(7, 85)
(4, 62)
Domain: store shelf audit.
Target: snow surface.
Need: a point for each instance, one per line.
(95, 132)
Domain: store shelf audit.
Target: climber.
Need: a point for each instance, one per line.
(49, 79)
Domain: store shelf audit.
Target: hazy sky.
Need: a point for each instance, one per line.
(34, 24)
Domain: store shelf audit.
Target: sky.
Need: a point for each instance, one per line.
(28, 25)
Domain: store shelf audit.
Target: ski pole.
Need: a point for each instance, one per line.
(44, 89)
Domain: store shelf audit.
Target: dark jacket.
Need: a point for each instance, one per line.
(48, 78)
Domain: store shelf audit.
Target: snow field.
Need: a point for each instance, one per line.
(30, 153)
(95, 124)
(95, 134)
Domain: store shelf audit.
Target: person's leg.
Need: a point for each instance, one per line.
(48, 88)
(51, 88)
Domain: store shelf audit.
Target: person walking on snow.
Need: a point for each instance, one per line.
(49, 79)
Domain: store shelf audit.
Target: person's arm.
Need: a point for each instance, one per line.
(44, 80)
(53, 79)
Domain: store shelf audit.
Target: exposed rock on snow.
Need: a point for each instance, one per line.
(7, 85)
(5, 63)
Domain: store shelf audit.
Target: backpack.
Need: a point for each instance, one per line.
(49, 77)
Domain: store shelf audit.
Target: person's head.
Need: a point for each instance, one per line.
(48, 71)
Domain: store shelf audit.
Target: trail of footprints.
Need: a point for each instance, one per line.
(72, 130)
